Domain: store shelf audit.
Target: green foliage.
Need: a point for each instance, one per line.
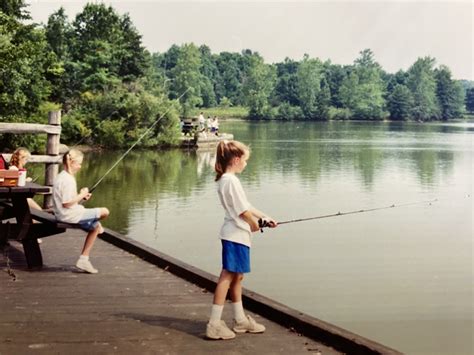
(470, 100)
(14, 9)
(363, 90)
(450, 94)
(225, 102)
(336, 113)
(223, 112)
(400, 103)
(111, 133)
(258, 85)
(24, 63)
(288, 112)
(231, 77)
(286, 89)
(422, 84)
(73, 127)
(310, 74)
(188, 78)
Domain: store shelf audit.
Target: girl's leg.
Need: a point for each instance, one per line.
(236, 288)
(225, 280)
(236, 297)
(217, 329)
(83, 263)
(104, 213)
(90, 239)
(242, 322)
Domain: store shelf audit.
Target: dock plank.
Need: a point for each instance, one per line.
(131, 306)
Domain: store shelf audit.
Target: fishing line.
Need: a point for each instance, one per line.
(134, 144)
(357, 211)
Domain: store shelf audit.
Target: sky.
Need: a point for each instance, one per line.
(398, 32)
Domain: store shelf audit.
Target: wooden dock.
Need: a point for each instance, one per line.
(142, 301)
(205, 140)
(130, 307)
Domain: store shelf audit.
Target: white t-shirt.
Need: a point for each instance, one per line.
(65, 190)
(234, 201)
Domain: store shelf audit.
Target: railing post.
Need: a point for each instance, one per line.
(52, 149)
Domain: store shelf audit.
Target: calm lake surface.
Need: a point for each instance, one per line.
(400, 276)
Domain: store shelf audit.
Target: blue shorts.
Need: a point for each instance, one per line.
(235, 257)
(90, 219)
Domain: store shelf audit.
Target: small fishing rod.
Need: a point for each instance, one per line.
(134, 144)
(262, 223)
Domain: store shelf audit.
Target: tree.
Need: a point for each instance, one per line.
(106, 46)
(14, 9)
(400, 103)
(134, 59)
(24, 62)
(286, 89)
(450, 94)
(310, 74)
(210, 75)
(370, 89)
(422, 84)
(230, 84)
(59, 33)
(335, 75)
(258, 85)
(470, 100)
(188, 78)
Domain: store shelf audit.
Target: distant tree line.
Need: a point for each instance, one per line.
(111, 88)
(311, 89)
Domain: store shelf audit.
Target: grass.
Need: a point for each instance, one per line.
(222, 112)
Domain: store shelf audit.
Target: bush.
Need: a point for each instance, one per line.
(225, 102)
(288, 112)
(111, 134)
(339, 113)
(73, 128)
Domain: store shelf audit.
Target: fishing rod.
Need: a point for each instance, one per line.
(262, 223)
(134, 144)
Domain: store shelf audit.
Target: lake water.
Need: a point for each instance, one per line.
(400, 276)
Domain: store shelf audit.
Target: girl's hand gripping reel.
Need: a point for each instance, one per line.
(263, 223)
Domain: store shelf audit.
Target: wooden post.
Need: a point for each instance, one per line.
(52, 149)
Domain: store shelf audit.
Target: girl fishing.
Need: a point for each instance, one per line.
(241, 219)
(67, 208)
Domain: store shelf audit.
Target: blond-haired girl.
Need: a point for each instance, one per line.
(67, 208)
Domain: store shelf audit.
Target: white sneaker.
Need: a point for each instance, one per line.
(85, 265)
(248, 325)
(219, 331)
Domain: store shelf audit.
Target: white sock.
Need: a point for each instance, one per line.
(239, 314)
(84, 257)
(216, 313)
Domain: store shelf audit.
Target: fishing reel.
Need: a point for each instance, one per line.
(263, 223)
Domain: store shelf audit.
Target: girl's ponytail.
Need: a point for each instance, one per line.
(226, 151)
(70, 156)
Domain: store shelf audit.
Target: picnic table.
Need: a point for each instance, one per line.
(14, 205)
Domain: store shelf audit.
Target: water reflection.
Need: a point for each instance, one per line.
(360, 152)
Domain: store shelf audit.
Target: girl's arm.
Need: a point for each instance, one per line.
(84, 194)
(249, 217)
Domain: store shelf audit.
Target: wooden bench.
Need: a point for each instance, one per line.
(47, 226)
